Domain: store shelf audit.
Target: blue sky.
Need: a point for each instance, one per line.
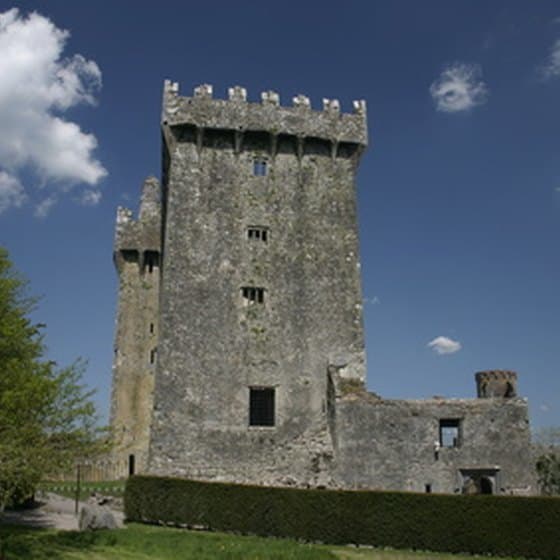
(459, 192)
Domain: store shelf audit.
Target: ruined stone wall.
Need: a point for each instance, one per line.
(137, 249)
(214, 344)
(395, 444)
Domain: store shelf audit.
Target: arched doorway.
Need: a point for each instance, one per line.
(478, 481)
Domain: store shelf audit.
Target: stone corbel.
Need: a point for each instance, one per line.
(238, 141)
(199, 140)
(334, 149)
(300, 147)
(273, 145)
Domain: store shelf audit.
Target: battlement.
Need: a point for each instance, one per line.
(496, 383)
(142, 234)
(202, 110)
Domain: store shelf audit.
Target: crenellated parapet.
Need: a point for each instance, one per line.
(496, 383)
(203, 111)
(137, 239)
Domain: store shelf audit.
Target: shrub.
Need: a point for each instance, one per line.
(498, 525)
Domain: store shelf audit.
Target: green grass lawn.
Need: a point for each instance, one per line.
(68, 489)
(143, 542)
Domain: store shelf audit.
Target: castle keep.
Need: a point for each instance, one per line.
(239, 351)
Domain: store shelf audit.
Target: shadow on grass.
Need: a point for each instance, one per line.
(20, 542)
(31, 516)
(146, 542)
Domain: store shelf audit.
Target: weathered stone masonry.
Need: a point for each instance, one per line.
(137, 256)
(256, 313)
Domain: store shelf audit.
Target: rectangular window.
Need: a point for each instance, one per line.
(252, 295)
(153, 354)
(129, 255)
(259, 167)
(257, 234)
(261, 406)
(449, 432)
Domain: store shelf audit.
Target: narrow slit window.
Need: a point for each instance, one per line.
(252, 295)
(153, 354)
(151, 328)
(261, 406)
(151, 261)
(259, 167)
(449, 432)
(255, 233)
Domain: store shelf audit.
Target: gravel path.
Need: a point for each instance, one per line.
(54, 512)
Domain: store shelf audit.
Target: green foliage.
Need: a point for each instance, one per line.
(498, 525)
(351, 386)
(46, 416)
(547, 450)
(548, 471)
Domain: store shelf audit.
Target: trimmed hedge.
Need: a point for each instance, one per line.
(498, 525)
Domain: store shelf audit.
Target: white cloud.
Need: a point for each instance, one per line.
(443, 345)
(37, 86)
(372, 301)
(459, 88)
(90, 197)
(551, 68)
(544, 407)
(44, 207)
(11, 192)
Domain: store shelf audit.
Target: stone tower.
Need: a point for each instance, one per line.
(496, 383)
(137, 259)
(260, 285)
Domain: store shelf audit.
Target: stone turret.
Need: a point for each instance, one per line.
(142, 235)
(150, 202)
(496, 383)
(137, 251)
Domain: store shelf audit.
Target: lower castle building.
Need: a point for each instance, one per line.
(239, 347)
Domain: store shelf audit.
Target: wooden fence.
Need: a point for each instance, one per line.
(96, 471)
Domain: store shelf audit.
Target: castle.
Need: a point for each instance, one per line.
(239, 347)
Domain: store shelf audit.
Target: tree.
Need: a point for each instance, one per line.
(547, 450)
(47, 418)
(548, 472)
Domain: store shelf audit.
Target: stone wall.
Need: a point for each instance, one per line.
(396, 444)
(215, 344)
